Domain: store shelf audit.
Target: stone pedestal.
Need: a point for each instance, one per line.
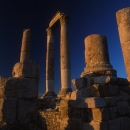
(97, 57)
(65, 56)
(123, 22)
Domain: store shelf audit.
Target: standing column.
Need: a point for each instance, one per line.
(123, 22)
(97, 56)
(65, 56)
(25, 48)
(50, 63)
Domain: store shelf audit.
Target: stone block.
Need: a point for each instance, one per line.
(100, 114)
(26, 111)
(64, 112)
(95, 125)
(72, 96)
(125, 89)
(112, 113)
(74, 124)
(122, 82)
(110, 101)
(122, 123)
(27, 69)
(114, 90)
(64, 103)
(105, 80)
(92, 102)
(123, 108)
(86, 92)
(64, 124)
(114, 124)
(125, 123)
(100, 90)
(8, 110)
(79, 83)
(123, 93)
(19, 88)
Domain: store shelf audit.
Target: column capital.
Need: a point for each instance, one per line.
(49, 31)
(64, 19)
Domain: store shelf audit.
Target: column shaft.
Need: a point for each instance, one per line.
(65, 56)
(25, 48)
(50, 61)
(123, 22)
(97, 56)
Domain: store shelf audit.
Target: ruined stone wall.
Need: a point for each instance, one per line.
(101, 112)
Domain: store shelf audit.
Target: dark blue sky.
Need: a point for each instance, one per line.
(86, 17)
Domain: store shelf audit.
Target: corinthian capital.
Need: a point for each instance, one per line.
(64, 19)
(49, 31)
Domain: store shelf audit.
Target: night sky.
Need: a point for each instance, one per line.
(86, 17)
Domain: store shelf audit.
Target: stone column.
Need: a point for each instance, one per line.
(50, 64)
(123, 22)
(25, 48)
(65, 56)
(97, 57)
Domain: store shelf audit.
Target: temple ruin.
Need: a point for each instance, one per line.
(62, 20)
(101, 100)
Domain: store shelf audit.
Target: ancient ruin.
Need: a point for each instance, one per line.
(62, 19)
(101, 100)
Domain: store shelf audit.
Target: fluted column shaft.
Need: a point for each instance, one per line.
(65, 55)
(25, 48)
(50, 61)
(123, 22)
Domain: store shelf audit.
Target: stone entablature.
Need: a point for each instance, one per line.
(55, 19)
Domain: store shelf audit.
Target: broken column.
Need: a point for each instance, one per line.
(18, 94)
(97, 56)
(65, 56)
(25, 48)
(50, 64)
(123, 22)
(26, 67)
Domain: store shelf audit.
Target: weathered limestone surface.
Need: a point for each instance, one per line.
(26, 69)
(123, 21)
(25, 48)
(64, 56)
(8, 110)
(50, 61)
(97, 57)
(19, 88)
(86, 92)
(26, 111)
(49, 65)
(17, 111)
(54, 22)
(79, 83)
(105, 80)
(91, 102)
(122, 123)
(100, 114)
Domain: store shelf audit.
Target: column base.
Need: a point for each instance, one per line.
(110, 72)
(49, 95)
(63, 92)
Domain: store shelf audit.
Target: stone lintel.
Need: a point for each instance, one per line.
(55, 20)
